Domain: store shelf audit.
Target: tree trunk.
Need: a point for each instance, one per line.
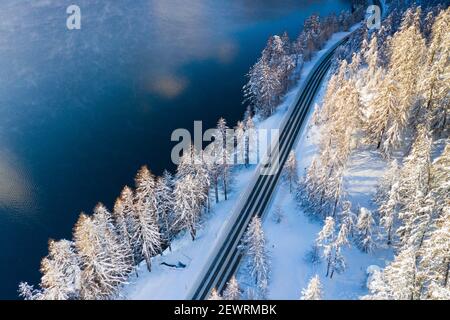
(447, 274)
(193, 233)
(225, 187)
(328, 266)
(149, 263)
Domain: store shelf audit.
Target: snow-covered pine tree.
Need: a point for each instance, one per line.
(232, 291)
(314, 290)
(338, 264)
(27, 292)
(165, 203)
(416, 212)
(389, 178)
(124, 220)
(278, 214)
(435, 261)
(240, 143)
(348, 218)
(290, 170)
(408, 48)
(386, 121)
(214, 295)
(388, 211)
(189, 197)
(251, 141)
(434, 83)
(146, 235)
(254, 246)
(397, 280)
(388, 199)
(264, 86)
(104, 261)
(325, 240)
(224, 153)
(61, 272)
(365, 228)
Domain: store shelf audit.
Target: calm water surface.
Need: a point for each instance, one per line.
(81, 111)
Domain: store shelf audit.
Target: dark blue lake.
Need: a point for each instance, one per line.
(82, 110)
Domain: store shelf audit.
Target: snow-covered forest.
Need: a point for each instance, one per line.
(281, 60)
(389, 94)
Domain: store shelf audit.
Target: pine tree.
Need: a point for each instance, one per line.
(214, 295)
(338, 264)
(104, 261)
(254, 246)
(165, 203)
(386, 121)
(124, 220)
(314, 290)
(325, 240)
(232, 291)
(264, 86)
(27, 292)
(224, 164)
(434, 84)
(240, 143)
(290, 170)
(435, 263)
(146, 235)
(416, 212)
(397, 280)
(408, 47)
(348, 218)
(365, 228)
(61, 272)
(189, 199)
(278, 214)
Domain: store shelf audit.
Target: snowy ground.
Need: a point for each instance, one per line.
(288, 241)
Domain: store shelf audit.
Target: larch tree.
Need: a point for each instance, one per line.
(365, 226)
(290, 170)
(314, 290)
(189, 199)
(435, 262)
(415, 178)
(146, 235)
(397, 280)
(408, 47)
(240, 142)
(27, 292)
(348, 217)
(338, 263)
(214, 295)
(386, 121)
(232, 291)
(104, 261)
(434, 83)
(325, 240)
(254, 246)
(61, 272)
(165, 207)
(225, 155)
(124, 216)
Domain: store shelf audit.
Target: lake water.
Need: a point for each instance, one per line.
(82, 110)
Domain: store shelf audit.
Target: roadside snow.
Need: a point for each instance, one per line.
(166, 282)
